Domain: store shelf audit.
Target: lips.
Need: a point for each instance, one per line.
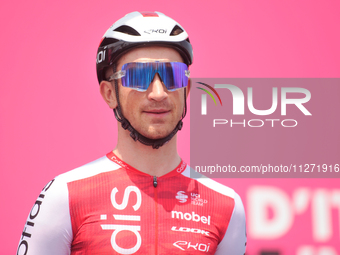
(157, 112)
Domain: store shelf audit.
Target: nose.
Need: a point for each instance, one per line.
(157, 90)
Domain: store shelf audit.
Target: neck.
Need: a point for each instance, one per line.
(155, 162)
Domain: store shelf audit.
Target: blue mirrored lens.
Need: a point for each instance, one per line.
(140, 75)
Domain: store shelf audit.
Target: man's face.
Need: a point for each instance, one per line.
(155, 112)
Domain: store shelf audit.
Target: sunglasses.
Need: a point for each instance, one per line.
(139, 75)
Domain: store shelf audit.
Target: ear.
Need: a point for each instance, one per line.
(108, 93)
(188, 87)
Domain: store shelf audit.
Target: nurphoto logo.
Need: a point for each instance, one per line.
(239, 101)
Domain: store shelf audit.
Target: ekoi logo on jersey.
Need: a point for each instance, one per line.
(131, 220)
(190, 246)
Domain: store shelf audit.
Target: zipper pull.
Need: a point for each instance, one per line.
(155, 181)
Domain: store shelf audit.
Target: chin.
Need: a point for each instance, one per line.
(156, 136)
(157, 133)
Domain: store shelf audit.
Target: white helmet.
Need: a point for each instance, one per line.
(139, 29)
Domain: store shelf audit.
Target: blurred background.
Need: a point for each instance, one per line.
(52, 117)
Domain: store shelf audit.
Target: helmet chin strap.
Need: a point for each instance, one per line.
(135, 135)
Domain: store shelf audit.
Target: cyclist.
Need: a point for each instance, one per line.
(139, 198)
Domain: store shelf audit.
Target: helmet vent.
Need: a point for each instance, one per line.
(107, 41)
(176, 30)
(127, 30)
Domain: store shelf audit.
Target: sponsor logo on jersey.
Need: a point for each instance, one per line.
(195, 198)
(190, 230)
(182, 167)
(23, 246)
(184, 245)
(130, 219)
(182, 198)
(190, 217)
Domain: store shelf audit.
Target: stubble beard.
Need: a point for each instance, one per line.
(155, 128)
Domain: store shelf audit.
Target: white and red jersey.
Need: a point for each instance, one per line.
(109, 207)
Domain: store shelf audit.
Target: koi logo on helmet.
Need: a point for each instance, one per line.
(158, 31)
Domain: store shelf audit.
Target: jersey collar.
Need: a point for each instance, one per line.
(178, 170)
